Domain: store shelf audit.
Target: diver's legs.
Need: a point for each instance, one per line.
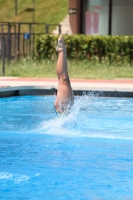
(65, 95)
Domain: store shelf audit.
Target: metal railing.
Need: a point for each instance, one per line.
(17, 39)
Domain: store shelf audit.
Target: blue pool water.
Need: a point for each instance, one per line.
(85, 156)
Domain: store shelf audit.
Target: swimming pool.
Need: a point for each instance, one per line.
(88, 155)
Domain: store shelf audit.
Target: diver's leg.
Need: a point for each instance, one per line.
(61, 67)
(64, 94)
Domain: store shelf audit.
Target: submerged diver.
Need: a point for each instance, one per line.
(65, 96)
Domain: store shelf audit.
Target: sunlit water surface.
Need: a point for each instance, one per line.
(87, 155)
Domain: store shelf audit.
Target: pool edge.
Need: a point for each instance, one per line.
(50, 90)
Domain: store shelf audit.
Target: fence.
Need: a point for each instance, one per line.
(18, 39)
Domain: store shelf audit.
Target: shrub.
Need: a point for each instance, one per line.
(111, 48)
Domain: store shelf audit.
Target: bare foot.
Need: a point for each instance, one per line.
(61, 45)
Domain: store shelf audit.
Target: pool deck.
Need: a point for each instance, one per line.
(23, 86)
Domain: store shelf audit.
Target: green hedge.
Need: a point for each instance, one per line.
(110, 48)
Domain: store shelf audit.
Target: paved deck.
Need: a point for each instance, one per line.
(17, 83)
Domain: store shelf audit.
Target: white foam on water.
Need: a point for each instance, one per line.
(5, 175)
(16, 178)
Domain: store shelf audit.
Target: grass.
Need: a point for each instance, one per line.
(47, 11)
(77, 69)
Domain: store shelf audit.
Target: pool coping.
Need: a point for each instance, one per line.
(51, 90)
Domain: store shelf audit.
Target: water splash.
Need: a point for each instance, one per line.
(74, 123)
(92, 117)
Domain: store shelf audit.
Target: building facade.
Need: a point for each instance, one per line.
(101, 17)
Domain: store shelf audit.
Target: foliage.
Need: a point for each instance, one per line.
(45, 46)
(107, 49)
